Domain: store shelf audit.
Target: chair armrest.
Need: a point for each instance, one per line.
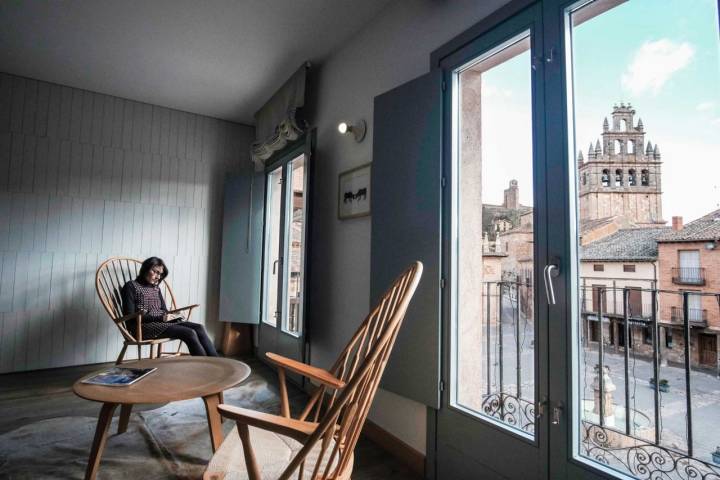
(120, 322)
(314, 373)
(297, 429)
(189, 307)
(130, 316)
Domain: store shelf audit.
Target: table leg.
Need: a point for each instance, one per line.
(98, 444)
(222, 400)
(213, 416)
(125, 411)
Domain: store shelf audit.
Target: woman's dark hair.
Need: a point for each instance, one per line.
(150, 263)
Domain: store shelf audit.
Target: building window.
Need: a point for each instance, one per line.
(647, 335)
(628, 268)
(584, 178)
(594, 331)
(645, 178)
(599, 267)
(632, 179)
(606, 178)
(669, 338)
(618, 177)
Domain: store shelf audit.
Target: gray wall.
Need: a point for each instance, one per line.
(392, 49)
(83, 177)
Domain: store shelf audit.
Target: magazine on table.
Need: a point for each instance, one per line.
(119, 376)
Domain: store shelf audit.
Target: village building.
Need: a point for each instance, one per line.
(625, 261)
(689, 263)
(508, 247)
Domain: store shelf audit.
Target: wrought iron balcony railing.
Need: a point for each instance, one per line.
(698, 317)
(643, 311)
(614, 430)
(688, 276)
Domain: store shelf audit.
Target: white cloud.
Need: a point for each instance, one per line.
(493, 91)
(705, 106)
(653, 65)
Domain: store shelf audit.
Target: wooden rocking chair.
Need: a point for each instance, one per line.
(110, 277)
(321, 441)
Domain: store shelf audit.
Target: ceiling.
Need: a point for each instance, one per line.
(222, 58)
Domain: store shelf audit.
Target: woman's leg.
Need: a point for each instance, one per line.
(180, 331)
(202, 335)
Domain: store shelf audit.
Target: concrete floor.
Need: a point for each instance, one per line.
(28, 398)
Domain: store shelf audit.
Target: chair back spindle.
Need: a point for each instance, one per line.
(341, 415)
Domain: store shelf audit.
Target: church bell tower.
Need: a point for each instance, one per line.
(621, 175)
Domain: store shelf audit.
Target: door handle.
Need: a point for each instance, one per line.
(551, 271)
(541, 408)
(275, 264)
(557, 413)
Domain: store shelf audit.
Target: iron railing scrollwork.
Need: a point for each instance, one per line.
(511, 410)
(642, 459)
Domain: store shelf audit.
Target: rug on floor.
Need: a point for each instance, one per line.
(170, 441)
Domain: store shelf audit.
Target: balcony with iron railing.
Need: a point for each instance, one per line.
(635, 312)
(688, 276)
(698, 317)
(620, 425)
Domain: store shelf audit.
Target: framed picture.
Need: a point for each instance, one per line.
(354, 192)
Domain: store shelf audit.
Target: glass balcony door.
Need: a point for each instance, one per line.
(634, 404)
(624, 321)
(282, 327)
(493, 421)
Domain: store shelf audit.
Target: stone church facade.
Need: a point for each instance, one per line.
(621, 176)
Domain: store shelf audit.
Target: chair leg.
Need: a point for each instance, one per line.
(139, 352)
(122, 354)
(250, 462)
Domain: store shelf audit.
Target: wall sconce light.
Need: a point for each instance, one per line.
(358, 130)
(711, 245)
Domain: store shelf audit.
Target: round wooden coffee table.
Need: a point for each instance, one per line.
(178, 378)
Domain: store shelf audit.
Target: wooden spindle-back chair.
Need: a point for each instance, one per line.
(110, 277)
(320, 448)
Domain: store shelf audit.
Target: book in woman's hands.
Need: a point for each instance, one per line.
(171, 317)
(119, 376)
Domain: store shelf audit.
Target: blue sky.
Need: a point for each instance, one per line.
(660, 55)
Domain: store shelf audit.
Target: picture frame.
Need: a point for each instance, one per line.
(354, 192)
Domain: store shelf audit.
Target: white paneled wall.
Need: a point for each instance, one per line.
(83, 177)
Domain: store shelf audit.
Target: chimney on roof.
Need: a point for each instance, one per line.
(677, 223)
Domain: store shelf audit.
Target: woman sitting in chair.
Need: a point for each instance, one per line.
(143, 295)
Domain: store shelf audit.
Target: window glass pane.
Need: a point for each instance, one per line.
(295, 247)
(645, 103)
(493, 325)
(273, 262)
